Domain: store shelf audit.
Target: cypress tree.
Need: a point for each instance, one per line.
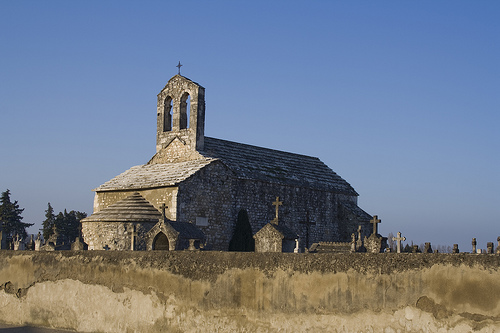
(48, 223)
(243, 237)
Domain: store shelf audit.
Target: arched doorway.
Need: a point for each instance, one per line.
(160, 243)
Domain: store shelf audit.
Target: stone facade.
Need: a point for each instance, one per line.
(207, 181)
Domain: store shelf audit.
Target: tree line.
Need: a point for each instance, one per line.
(66, 224)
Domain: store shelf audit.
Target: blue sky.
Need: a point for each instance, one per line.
(401, 98)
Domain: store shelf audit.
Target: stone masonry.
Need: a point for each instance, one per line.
(206, 181)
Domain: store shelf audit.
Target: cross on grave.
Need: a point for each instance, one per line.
(359, 242)
(179, 67)
(277, 203)
(163, 207)
(307, 223)
(399, 239)
(375, 220)
(133, 235)
(106, 247)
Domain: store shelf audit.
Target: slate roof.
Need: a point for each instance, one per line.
(252, 162)
(133, 208)
(155, 175)
(246, 161)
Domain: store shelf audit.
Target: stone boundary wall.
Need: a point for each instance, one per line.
(120, 291)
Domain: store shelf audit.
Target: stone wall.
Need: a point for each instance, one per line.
(214, 193)
(182, 291)
(115, 235)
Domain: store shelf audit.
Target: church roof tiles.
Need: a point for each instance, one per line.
(252, 162)
(246, 161)
(155, 175)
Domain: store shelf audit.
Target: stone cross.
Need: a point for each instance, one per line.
(375, 221)
(179, 67)
(359, 242)
(474, 243)
(277, 203)
(398, 240)
(489, 248)
(307, 223)
(133, 235)
(428, 248)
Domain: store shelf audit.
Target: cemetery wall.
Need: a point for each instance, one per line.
(120, 291)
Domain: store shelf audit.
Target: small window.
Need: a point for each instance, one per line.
(185, 110)
(167, 115)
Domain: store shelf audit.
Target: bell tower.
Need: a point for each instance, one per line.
(181, 114)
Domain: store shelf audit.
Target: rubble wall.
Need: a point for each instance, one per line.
(120, 291)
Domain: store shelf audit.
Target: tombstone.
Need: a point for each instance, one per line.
(78, 245)
(38, 242)
(359, 243)
(31, 244)
(18, 243)
(191, 245)
(398, 240)
(415, 249)
(498, 245)
(296, 249)
(428, 248)
(106, 247)
(474, 244)
(455, 249)
(353, 242)
(489, 248)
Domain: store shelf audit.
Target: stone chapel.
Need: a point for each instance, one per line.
(191, 191)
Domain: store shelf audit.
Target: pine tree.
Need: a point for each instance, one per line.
(10, 217)
(48, 223)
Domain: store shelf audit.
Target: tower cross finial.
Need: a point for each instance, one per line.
(179, 67)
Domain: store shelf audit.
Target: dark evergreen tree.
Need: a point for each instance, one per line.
(10, 217)
(67, 225)
(48, 223)
(243, 237)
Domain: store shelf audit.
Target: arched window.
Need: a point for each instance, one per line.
(185, 109)
(167, 115)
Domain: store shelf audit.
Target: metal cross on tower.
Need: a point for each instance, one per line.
(179, 67)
